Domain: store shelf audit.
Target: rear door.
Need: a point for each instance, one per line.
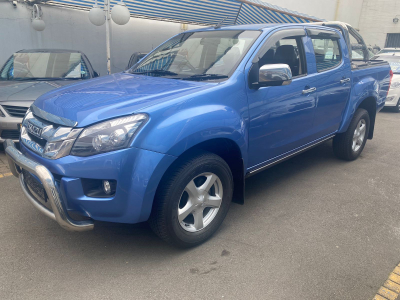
(332, 65)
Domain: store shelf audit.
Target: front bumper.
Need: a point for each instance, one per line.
(17, 162)
(136, 171)
(393, 97)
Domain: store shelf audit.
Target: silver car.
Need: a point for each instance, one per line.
(28, 74)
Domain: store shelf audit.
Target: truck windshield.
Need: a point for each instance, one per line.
(394, 62)
(44, 66)
(203, 55)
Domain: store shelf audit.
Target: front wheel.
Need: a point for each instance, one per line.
(192, 200)
(350, 144)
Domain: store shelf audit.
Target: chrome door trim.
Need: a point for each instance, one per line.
(271, 164)
(309, 91)
(345, 80)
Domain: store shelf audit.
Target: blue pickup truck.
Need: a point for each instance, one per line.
(172, 140)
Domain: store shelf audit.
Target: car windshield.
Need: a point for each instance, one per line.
(394, 62)
(204, 55)
(44, 65)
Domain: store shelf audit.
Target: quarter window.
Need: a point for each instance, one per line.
(327, 53)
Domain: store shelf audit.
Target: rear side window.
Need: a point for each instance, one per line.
(327, 53)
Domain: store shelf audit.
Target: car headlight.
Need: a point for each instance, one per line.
(395, 85)
(108, 136)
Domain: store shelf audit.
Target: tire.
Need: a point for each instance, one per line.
(397, 107)
(343, 144)
(174, 197)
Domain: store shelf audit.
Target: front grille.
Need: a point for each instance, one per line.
(10, 134)
(37, 140)
(15, 111)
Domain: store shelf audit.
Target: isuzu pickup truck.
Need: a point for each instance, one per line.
(173, 139)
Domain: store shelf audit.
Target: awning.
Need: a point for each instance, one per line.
(202, 12)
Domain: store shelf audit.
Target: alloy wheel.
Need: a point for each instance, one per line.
(200, 202)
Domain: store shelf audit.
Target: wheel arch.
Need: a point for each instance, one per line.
(369, 104)
(229, 151)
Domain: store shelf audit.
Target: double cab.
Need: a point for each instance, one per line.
(172, 140)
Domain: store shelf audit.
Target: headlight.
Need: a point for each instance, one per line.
(395, 85)
(108, 136)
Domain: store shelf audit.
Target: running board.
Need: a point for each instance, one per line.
(271, 164)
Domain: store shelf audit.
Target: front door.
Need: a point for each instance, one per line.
(281, 117)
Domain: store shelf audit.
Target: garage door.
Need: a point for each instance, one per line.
(393, 40)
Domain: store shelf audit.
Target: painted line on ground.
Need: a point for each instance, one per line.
(5, 175)
(390, 290)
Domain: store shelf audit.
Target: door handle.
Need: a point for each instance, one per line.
(309, 91)
(345, 80)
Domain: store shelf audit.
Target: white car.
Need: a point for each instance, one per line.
(389, 50)
(393, 98)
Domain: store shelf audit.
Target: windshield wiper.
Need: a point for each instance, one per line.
(164, 72)
(205, 77)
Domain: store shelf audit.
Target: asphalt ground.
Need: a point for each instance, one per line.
(313, 227)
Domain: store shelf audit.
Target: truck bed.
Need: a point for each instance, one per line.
(361, 64)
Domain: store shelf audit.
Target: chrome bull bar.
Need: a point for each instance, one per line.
(17, 160)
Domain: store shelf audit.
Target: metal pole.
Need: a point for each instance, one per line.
(108, 24)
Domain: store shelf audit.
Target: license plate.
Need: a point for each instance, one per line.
(35, 186)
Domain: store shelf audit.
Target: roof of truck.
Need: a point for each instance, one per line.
(248, 26)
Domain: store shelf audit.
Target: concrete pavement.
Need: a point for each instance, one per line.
(313, 227)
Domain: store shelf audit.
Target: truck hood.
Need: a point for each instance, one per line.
(14, 90)
(112, 96)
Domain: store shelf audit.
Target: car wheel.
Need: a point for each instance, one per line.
(397, 107)
(192, 200)
(350, 144)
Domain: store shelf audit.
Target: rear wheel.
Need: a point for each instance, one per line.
(192, 200)
(350, 144)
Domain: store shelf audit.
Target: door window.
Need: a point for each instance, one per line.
(288, 51)
(327, 53)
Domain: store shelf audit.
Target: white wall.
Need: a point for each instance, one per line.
(332, 10)
(71, 29)
(377, 20)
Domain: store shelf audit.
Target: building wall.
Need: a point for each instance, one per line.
(71, 29)
(377, 20)
(332, 10)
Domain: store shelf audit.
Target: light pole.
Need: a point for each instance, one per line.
(108, 25)
(119, 14)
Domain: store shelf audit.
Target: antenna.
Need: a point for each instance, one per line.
(219, 25)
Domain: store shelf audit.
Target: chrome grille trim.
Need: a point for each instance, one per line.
(36, 134)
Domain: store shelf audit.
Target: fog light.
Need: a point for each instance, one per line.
(106, 187)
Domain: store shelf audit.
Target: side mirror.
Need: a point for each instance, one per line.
(274, 75)
(95, 74)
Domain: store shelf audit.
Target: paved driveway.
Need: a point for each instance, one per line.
(313, 227)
